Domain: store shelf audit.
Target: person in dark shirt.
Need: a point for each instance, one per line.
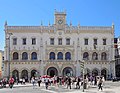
(78, 83)
(69, 82)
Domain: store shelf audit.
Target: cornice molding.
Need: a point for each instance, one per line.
(68, 29)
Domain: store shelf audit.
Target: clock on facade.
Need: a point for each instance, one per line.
(60, 21)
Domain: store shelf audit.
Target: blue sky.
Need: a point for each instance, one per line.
(85, 12)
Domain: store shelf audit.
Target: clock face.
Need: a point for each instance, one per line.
(60, 21)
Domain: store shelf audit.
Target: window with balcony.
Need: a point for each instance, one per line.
(51, 41)
(33, 41)
(59, 41)
(24, 41)
(14, 41)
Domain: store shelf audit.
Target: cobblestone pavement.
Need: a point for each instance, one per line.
(109, 87)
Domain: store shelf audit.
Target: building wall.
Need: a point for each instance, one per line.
(77, 34)
(1, 63)
(117, 57)
(118, 43)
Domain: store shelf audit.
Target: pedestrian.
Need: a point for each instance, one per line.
(58, 79)
(63, 81)
(17, 80)
(95, 80)
(4, 82)
(39, 81)
(103, 80)
(46, 81)
(69, 82)
(78, 83)
(23, 81)
(100, 83)
(55, 79)
(66, 80)
(11, 82)
(33, 82)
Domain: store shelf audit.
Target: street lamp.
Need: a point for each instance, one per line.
(83, 75)
(9, 35)
(83, 79)
(82, 67)
(111, 61)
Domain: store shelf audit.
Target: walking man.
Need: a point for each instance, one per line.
(39, 81)
(69, 82)
(46, 80)
(100, 83)
(78, 83)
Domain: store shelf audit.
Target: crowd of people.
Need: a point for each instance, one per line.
(67, 81)
(6, 81)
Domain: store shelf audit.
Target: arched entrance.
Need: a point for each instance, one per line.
(33, 73)
(95, 72)
(118, 71)
(104, 73)
(24, 74)
(87, 72)
(15, 74)
(52, 71)
(68, 71)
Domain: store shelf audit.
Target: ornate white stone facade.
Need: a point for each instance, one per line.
(118, 43)
(1, 63)
(58, 49)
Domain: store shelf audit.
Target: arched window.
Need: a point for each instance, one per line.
(85, 55)
(60, 55)
(68, 56)
(52, 56)
(34, 56)
(95, 56)
(15, 56)
(103, 56)
(24, 56)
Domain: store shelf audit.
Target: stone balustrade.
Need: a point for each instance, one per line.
(52, 28)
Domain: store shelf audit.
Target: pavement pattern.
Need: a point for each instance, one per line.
(109, 87)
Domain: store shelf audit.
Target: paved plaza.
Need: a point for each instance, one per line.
(109, 87)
